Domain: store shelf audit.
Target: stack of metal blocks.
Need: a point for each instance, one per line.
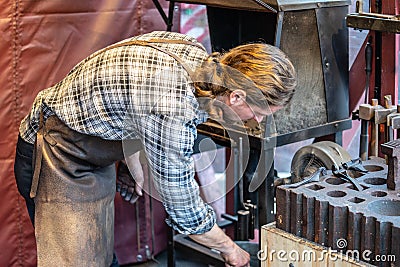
(333, 213)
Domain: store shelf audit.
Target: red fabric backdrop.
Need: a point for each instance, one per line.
(40, 42)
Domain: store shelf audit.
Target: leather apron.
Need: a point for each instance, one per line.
(73, 187)
(74, 204)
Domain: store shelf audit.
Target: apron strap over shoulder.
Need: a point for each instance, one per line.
(38, 152)
(151, 43)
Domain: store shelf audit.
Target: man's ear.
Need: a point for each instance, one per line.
(237, 96)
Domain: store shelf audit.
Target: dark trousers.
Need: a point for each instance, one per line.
(23, 171)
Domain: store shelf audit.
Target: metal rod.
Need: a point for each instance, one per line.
(261, 3)
(278, 31)
(359, 6)
(243, 225)
(153, 233)
(241, 171)
(364, 140)
(170, 15)
(368, 67)
(378, 56)
(161, 11)
(171, 248)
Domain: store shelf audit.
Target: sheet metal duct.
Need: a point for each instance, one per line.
(315, 36)
(317, 42)
(262, 5)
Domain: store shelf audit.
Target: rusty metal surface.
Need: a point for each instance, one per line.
(332, 209)
(301, 114)
(281, 5)
(319, 38)
(376, 22)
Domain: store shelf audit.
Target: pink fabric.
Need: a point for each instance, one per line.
(41, 41)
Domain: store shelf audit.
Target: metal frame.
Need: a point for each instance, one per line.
(167, 19)
(337, 121)
(385, 41)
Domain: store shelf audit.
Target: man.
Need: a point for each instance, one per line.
(146, 93)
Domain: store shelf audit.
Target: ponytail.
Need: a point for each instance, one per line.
(260, 69)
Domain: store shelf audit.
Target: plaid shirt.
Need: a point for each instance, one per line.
(138, 92)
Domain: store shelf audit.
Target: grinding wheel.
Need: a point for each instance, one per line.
(309, 159)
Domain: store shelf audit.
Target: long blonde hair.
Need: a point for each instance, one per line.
(255, 68)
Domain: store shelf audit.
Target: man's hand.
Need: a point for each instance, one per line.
(236, 257)
(130, 180)
(230, 251)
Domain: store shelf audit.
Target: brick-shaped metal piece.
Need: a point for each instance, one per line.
(382, 113)
(367, 111)
(392, 150)
(283, 213)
